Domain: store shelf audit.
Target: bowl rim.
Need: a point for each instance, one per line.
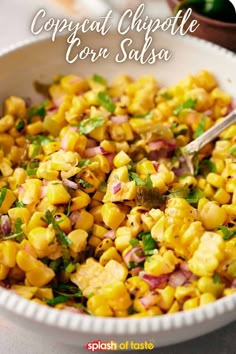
(67, 320)
(209, 20)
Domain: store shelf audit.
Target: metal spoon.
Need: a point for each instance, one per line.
(205, 138)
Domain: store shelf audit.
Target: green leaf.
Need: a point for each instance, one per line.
(84, 184)
(83, 162)
(62, 238)
(105, 101)
(134, 242)
(54, 265)
(225, 231)
(70, 268)
(166, 95)
(149, 244)
(31, 168)
(88, 125)
(99, 79)
(38, 110)
(194, 196)
(18, 231)
(207, 166)
(19, 204)
(143, 233)
(39, 139)
(179, 193)
(189, 103)
(216, 278)
(68, 290)
(148, 115)
(132, 265)
(200, 128)
(3, 194)
(232, 150)
(57, 300)
(20, 125)
(139, 182)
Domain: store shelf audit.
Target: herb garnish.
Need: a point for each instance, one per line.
(3, 194)
(105, 101)
(37, 110)
(139, 182)
(189, 103)
(86, 126)
(99, 79)
(200, 128)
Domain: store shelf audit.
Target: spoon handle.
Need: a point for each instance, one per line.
(210, 134)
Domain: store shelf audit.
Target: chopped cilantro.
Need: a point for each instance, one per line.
(70, 268)
(3, 194)
(148, 115)
(232, 150)
(68, 290)
(179, 193)
(189, 103)
(62, 238)
(143, 233)
(166, 95)
(139, 182)
(207, 166)
(134, 242)
(18, 231)
(19, 204)
(84, 184)
(54, 265)
(227, 234)
(200, 128)
(37, 110)
(149, 244)
(216, 278)
(105, 101)
(99, 79)
(86, 126)
(39, 139)
(20, 125)
(194, 196)
(57, 300)
(132, 265)
(83, 162)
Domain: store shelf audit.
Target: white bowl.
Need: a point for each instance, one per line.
(41, 60)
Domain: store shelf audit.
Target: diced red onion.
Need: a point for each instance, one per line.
(233, 285)
(93, 151)
(148, 300)
(70, 184)
(135, 255)
(119, 119)
(91, 143)
(21, 189)
(208, 112)
(177, 278)
(110, 158)
(162, 143)
(64, 142)
(75, 310)
(135, 271)
(74, 216)
(110, 234)
(43, 191)
(5, 225)
(185, 269)
(116, 187)
(58, 101)
(155, 165)
(154, 281)
(156, 145)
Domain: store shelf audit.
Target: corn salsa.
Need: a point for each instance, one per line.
(99, 211)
